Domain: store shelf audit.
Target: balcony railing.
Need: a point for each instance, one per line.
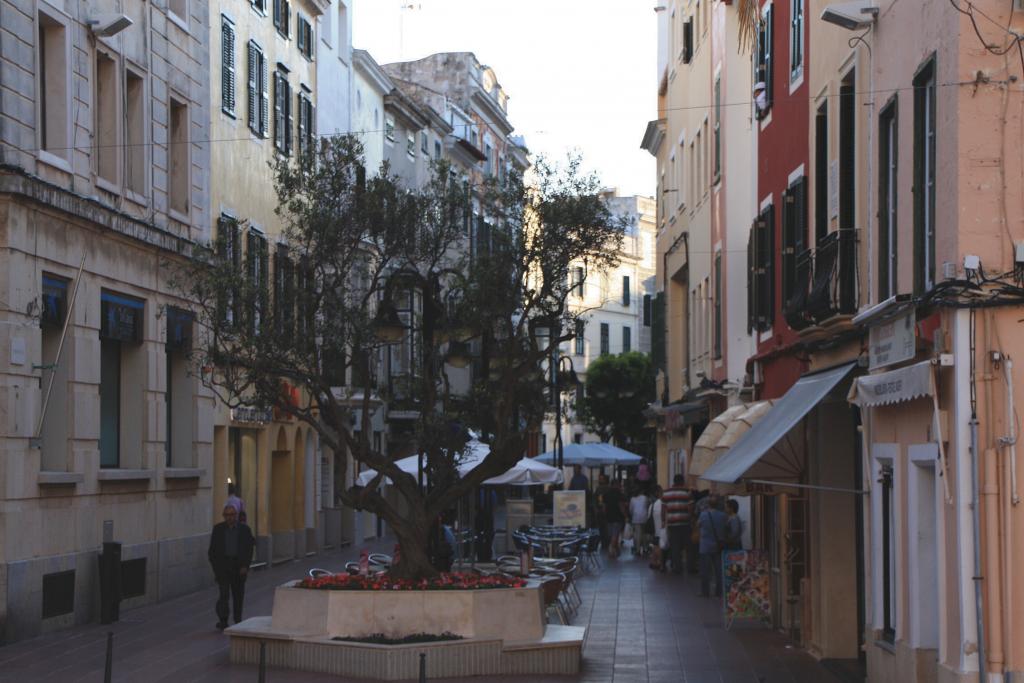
(795, 308)
(826, 281)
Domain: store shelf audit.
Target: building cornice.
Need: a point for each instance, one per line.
(493, 112)
(370, 69)
(16, 181)
(654, 135)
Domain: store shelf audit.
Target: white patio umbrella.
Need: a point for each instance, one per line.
(526, 472)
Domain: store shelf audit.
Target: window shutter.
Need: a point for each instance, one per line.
(254, 66)
(277, 14)
(769, 53)
(788, 244)
(288, 123)
(264, 97)
(301, 34)
(278, 112)
(800, 215)
(769, 267)
(301, 142)
(751, 279)
(687, 41)
(227, 76)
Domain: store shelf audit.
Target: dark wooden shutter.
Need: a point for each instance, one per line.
(301, 142)
(769, 61)
(751, 278)
(687, 41)
(254, 96)
(264, 97)
(288, 118)
(789, 252)
(278, 111)
(847, 154)
(227, 57)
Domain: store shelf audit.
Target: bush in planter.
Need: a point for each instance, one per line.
(415, 638)
(384, 582)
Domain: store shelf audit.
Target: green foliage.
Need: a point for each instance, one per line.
(618, 389)
(363, 250)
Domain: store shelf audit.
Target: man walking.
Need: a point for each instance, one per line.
(677, 512)
(230, 554)
(712, 524)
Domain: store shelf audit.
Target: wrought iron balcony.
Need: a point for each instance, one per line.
(795, 307)
(834, 286)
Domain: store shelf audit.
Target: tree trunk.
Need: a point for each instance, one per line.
(414, 551)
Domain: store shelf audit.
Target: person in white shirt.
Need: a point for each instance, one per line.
(660, 541)
(639, 510)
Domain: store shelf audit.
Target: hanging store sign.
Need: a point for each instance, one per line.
(892, 341)
(249, 415)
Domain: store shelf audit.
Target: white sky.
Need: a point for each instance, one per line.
(579, 74)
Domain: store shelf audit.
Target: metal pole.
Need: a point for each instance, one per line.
(262, 676)
(978, 578)
(423, 667)
(559, 458)
(108, 668)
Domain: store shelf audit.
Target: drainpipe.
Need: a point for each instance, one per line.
(977, 578)
(1009, 503)
(993, 584)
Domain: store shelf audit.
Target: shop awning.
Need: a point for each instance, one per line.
(895, 386)
(704, 455)
(782, 417)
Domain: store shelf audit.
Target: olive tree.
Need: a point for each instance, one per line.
(487, 271)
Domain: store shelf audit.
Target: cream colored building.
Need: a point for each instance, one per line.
(106, 163)
(615, 309)
(263, 75)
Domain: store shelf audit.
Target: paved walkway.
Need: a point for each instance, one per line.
(643, 627)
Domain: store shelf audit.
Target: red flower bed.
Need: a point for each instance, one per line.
(382, 582)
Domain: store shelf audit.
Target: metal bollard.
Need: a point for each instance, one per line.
(263, 663)
(423, 667)
(108, 667)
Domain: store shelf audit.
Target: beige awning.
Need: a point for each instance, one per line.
(704, 449)
(896, 386)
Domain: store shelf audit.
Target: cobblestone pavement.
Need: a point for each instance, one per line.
(643, 627)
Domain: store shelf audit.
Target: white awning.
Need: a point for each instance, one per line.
(766, 432)
(895, 386)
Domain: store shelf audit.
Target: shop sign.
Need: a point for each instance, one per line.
(747, 586)
(250, 415)
(892, 341)
(570, 508)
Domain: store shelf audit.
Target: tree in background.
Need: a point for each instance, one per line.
(618, 389)
(369, 266)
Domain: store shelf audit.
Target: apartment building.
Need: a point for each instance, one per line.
(615, 308)
(263, 108)
(106, 433)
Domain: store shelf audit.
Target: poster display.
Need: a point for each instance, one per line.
(746, 578)
(570, 508)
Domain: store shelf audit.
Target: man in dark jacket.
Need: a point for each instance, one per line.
(231, 548)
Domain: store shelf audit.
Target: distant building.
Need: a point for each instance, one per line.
(615, 308)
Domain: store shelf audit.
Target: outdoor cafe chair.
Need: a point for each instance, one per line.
(316, 573)
(551, 588)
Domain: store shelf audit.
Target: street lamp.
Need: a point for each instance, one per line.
(560, 376)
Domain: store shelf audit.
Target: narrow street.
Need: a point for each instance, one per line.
(642, 628)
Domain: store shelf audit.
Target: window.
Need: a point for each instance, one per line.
(718, 307)
(229, 250)
(762, 245)
(179, 8)
(259, 5)
(577, 284)
(179, 389)
(122, 375)
(604, 339)
(705, 160)
(424, 143)
(282, 113)
(410, 145)
(256, 265)
(179, 183)
(282, 17)
(54, 447)
(135, 171)
(389, 129)
(580, 339)
(888, 145)
(796, 39)
(304, 34)
(342, 29)
(54, 91)
(227, 66)
(888, 555)
(794, 235)
(488, 166)
(647, 310)
(627, 339)
(718, 130)
(284, 292)
(847, 152)
(821, 190)
(625, 290)
(924, 178)
(307, 121)
(259, 96)
(106, 120)
(437, 149)
(764, 62)
(687, 41)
